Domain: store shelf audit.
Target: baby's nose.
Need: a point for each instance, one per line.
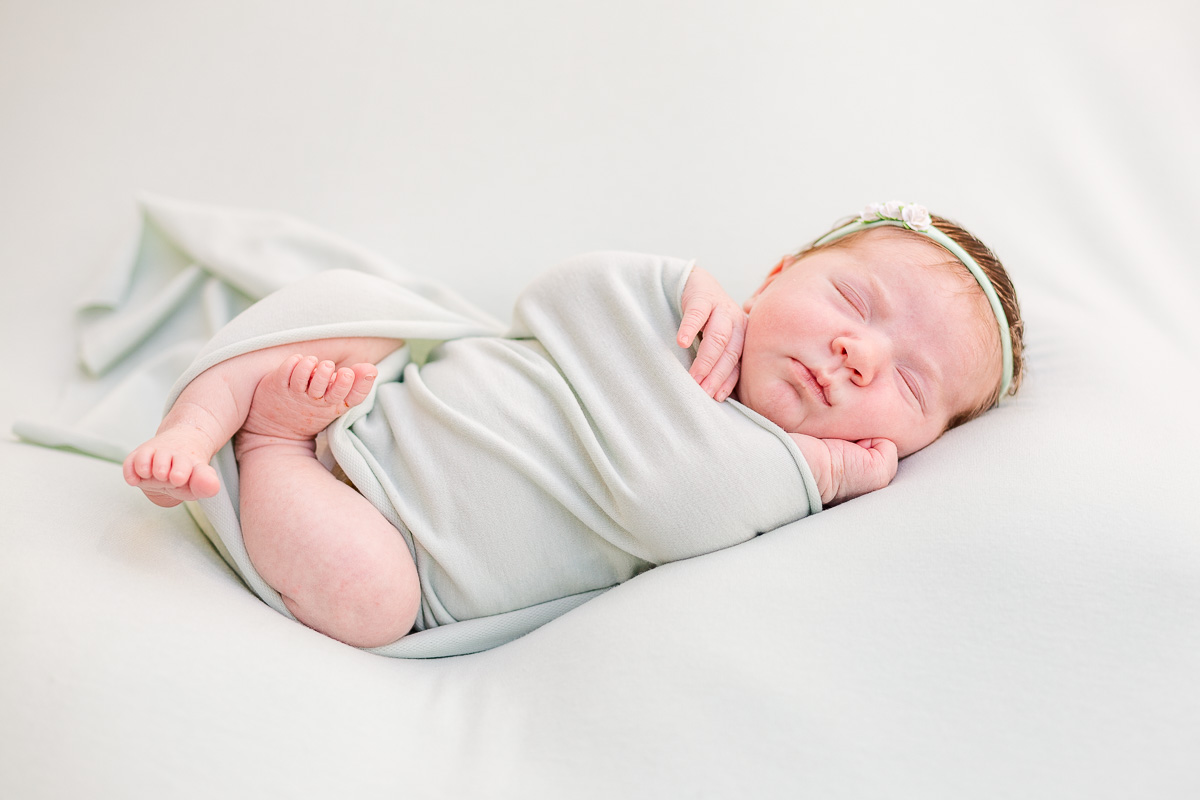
(862, 355)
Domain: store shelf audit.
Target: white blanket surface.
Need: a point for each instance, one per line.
(1016, 615)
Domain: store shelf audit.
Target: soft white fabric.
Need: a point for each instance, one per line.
(1017, 615)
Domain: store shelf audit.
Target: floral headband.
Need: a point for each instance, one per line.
(916, 218)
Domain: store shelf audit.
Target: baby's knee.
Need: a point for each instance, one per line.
(368, 611)
(380, 614)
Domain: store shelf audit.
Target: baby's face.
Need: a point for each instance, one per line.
(878, 339)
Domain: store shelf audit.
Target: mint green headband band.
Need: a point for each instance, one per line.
(916, 218)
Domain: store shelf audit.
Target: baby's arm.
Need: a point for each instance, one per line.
(721, 323)
(848, 469)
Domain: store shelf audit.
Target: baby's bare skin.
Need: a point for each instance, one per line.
(174, 465)
(299, 400)
(845, 470)
(339, 565)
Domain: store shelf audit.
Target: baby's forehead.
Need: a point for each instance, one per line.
(897, 245)
(894, 256)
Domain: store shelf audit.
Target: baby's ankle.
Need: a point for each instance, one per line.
(246, 442)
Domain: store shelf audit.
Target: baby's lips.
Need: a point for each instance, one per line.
(809, 379)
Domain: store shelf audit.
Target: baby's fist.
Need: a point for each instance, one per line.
(845, 470)
(867, 465)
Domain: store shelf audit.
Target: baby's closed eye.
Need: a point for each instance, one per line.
(852, 298)
(913, 385)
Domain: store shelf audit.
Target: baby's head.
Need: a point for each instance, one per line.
(880, 330)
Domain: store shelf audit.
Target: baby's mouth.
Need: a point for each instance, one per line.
(807, 379)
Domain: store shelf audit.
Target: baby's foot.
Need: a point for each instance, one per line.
(173, 467)
(299, 400)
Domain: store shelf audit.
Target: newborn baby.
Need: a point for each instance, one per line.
(862, 348)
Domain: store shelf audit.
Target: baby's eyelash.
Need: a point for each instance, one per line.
(852, 299)
(911, 383)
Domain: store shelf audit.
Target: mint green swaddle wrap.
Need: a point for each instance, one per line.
(529, 472)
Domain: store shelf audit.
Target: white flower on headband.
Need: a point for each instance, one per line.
(916, 217)
(891, 209)
(871, 212)
(913, 216)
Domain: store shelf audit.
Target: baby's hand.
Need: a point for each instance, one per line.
(721, 323)
(848, 469)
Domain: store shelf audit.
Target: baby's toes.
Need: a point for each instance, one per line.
(302, 374)
(283, 373)
(364, 378)
(181, 471)
(141, 464)
(129, 469)
(318, 385)
(204, 481)
(343, 382)
(160, 468)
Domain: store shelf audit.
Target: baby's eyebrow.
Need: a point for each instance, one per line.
(883, 299)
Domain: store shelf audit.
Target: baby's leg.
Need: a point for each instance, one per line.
(173, 466)
(340, 566)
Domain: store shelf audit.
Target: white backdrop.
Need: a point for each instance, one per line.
(1016, 615)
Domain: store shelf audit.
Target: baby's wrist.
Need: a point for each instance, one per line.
(819, 457)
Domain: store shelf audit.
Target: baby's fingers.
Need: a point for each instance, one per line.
(885, 447)
(723, 377)
(718, 355)
(697, 313)
(728, 386)
(884, 460)
(713, 344)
